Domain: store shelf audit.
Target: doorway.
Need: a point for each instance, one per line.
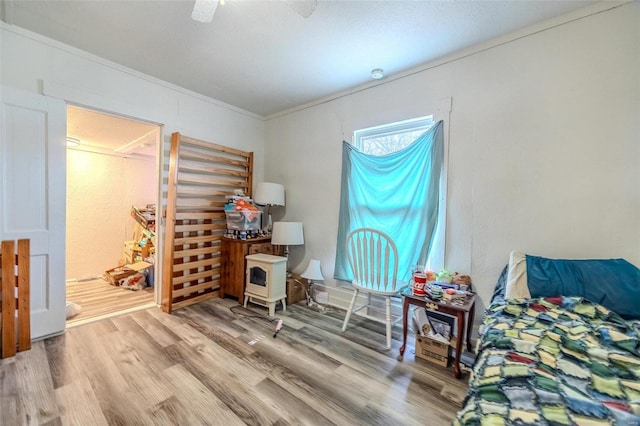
(112, 195)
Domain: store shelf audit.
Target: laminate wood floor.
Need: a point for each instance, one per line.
(216, 363)
(98, 299)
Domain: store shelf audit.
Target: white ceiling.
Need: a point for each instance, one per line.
(109, 134)
(265, 57)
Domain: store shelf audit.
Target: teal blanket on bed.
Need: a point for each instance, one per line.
(554, 361)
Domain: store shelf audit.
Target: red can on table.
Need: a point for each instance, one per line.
(419, 283)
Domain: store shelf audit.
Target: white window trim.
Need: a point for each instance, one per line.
(413, 123)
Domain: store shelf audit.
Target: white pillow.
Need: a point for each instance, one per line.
(516, 287)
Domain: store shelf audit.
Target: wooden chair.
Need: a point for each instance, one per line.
(373, 258)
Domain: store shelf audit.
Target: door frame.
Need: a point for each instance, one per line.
(157, 267)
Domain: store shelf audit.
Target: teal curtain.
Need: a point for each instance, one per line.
(397, 194)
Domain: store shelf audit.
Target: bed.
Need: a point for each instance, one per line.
(559, 345)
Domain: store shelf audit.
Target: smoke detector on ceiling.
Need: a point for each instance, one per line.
(377, 73)
(303, 8)
(203, 10)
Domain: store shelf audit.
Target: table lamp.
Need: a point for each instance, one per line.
(313, 272)
(287, 234)
(269, 194)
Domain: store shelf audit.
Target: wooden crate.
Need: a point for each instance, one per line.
(15, 325)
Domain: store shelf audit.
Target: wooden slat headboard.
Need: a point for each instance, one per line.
(201, 174)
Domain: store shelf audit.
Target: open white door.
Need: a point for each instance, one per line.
(32, 197)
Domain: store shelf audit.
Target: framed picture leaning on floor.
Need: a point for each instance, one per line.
(442, 324)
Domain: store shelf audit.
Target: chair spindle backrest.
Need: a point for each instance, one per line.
(373, 258)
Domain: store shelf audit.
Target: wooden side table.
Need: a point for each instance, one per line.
(459, 310)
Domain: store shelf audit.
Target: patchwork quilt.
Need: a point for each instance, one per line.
(554, 361)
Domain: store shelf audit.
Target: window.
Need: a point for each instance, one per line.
(392, 137)
(394, 184)
(388, 138)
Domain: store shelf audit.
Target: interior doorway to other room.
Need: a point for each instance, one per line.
(112, 195)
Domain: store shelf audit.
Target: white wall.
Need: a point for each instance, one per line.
(101, 189)
(544, 147)
(36, 64)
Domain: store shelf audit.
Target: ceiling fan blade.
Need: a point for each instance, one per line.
(304, 8)
(203, 10)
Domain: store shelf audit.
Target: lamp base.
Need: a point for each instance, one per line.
(312, 301)
(286, 254)
(316, 307)
(269, 222)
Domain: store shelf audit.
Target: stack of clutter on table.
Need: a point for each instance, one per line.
(243, 217)
(135, 268)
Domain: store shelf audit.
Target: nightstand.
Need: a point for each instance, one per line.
(464, 313)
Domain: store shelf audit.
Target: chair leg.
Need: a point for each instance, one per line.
(368, 304)
(351, 305)
(388, 318)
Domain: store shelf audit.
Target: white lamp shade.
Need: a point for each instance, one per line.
(287, 234)
(269, 194)
(313, 271)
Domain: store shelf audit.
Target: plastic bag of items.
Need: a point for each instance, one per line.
(136, 281)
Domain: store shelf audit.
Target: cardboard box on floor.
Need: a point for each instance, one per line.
(114, 276)
(296, 289)
(430, 347)
(432, 350)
